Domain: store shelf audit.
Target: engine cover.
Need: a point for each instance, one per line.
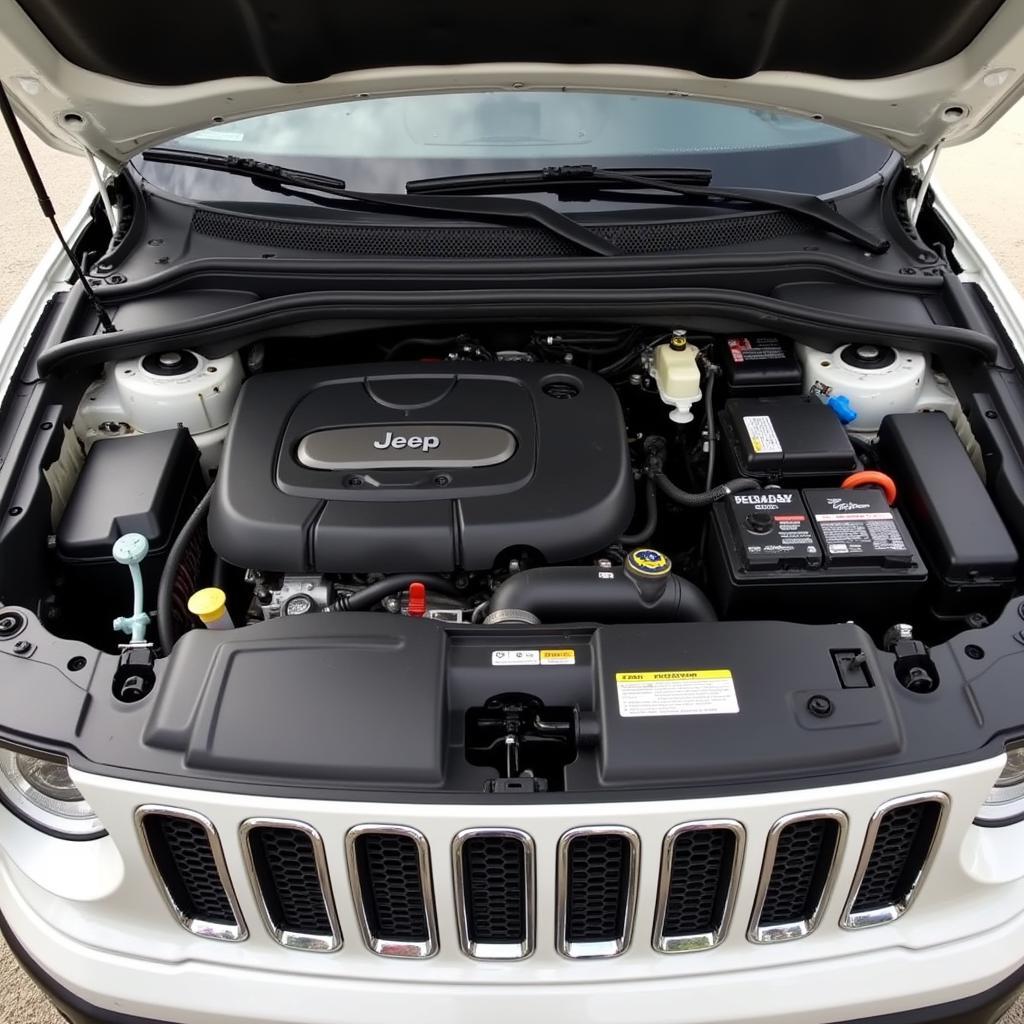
(412, 467)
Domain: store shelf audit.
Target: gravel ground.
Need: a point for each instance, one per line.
(983, 179)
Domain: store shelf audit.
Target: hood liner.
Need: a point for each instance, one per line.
(294, 41)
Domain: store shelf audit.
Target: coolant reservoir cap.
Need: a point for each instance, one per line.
(208, 604)
(646, 563)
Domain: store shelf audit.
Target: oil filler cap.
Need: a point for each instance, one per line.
(647, 564)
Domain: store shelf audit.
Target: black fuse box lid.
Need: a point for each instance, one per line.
(133, 484)
(944, 499)
(786, 436)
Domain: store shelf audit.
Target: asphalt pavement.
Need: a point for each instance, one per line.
(983, 178)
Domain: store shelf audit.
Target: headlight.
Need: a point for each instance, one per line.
(40, 791)
(1005, 803)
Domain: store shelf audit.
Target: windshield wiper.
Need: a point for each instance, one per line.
(680, 185)
(329, 191)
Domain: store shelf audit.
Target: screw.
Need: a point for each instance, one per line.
(819, 706)
(991, 414)
(46, 426)
(443, 480)
(10, 624)
(22, 647)
(974, 652)
(77, 663)
(14, 510)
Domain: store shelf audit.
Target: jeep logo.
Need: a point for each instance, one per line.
(427, 442)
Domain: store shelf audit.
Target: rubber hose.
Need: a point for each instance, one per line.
(704, 498)
(376, 592)
(574, 593)
(646, 531)
(164, 598)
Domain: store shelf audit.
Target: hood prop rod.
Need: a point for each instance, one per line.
(46, 205)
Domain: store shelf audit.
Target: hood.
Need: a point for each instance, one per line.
(117, 76)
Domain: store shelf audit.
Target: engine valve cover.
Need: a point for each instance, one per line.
(420, 468)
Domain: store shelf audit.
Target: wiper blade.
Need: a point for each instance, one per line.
(680, 185)
(329, 191)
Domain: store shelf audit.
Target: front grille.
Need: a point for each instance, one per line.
(597, 890)
(796, 876)
(439, 241)
(494, 893)
(900, 839)
(288, 869)
(699, 871)
(391, 883)
(699, 867)
(185, 855)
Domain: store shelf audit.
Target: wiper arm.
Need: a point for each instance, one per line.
(306, 185)
(681, 185)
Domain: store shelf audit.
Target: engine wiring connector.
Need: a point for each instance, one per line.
(130, 550)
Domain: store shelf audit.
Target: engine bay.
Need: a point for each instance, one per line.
(557, 476)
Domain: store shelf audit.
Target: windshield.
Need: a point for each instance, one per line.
(377, 145)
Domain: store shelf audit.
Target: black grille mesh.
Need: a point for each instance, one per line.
(392, 890)
(494, 883)
(802, 861)
(184, 858)
(901, 846)
(700, 870)
(489, 241)
(598, 887)
(286, 871)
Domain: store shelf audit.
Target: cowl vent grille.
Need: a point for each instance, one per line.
(488, 241)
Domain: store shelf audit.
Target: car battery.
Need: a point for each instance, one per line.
(820, 555)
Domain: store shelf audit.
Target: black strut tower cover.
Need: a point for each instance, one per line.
(420, 468)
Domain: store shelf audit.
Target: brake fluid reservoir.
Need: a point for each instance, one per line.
(157, 392)
(675, 371)
(876, 379)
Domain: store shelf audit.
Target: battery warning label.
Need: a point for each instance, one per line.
(761, 432)
(676, 692)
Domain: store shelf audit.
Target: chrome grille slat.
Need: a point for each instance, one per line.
(494, 893)
(186, 859)
(700, 869)
(596, 920)
(287, 868)
(389, 868)
(797, 875)
(901, 839)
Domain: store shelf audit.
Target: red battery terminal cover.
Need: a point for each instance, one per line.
(872, 478)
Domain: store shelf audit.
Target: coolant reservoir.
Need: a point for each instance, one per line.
(677, 375)
(159, 391)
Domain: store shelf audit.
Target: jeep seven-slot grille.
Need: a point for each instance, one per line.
(696, 885)
(391, 880)
(289, 873)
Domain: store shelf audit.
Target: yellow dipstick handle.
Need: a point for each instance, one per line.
(210, 605)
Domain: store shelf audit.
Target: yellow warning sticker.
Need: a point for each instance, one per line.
(556, 656)
(676, 692)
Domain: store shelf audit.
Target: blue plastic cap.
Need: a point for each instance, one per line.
(840, 405)
(130, 549)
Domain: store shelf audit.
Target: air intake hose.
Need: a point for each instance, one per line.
(643, 590)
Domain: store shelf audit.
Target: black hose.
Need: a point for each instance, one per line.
(577, 593)
(709, 423)
(646, 531)
(165, 591)
(376, 592)
(704, 498)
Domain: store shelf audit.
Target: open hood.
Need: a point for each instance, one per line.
(118, 76)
